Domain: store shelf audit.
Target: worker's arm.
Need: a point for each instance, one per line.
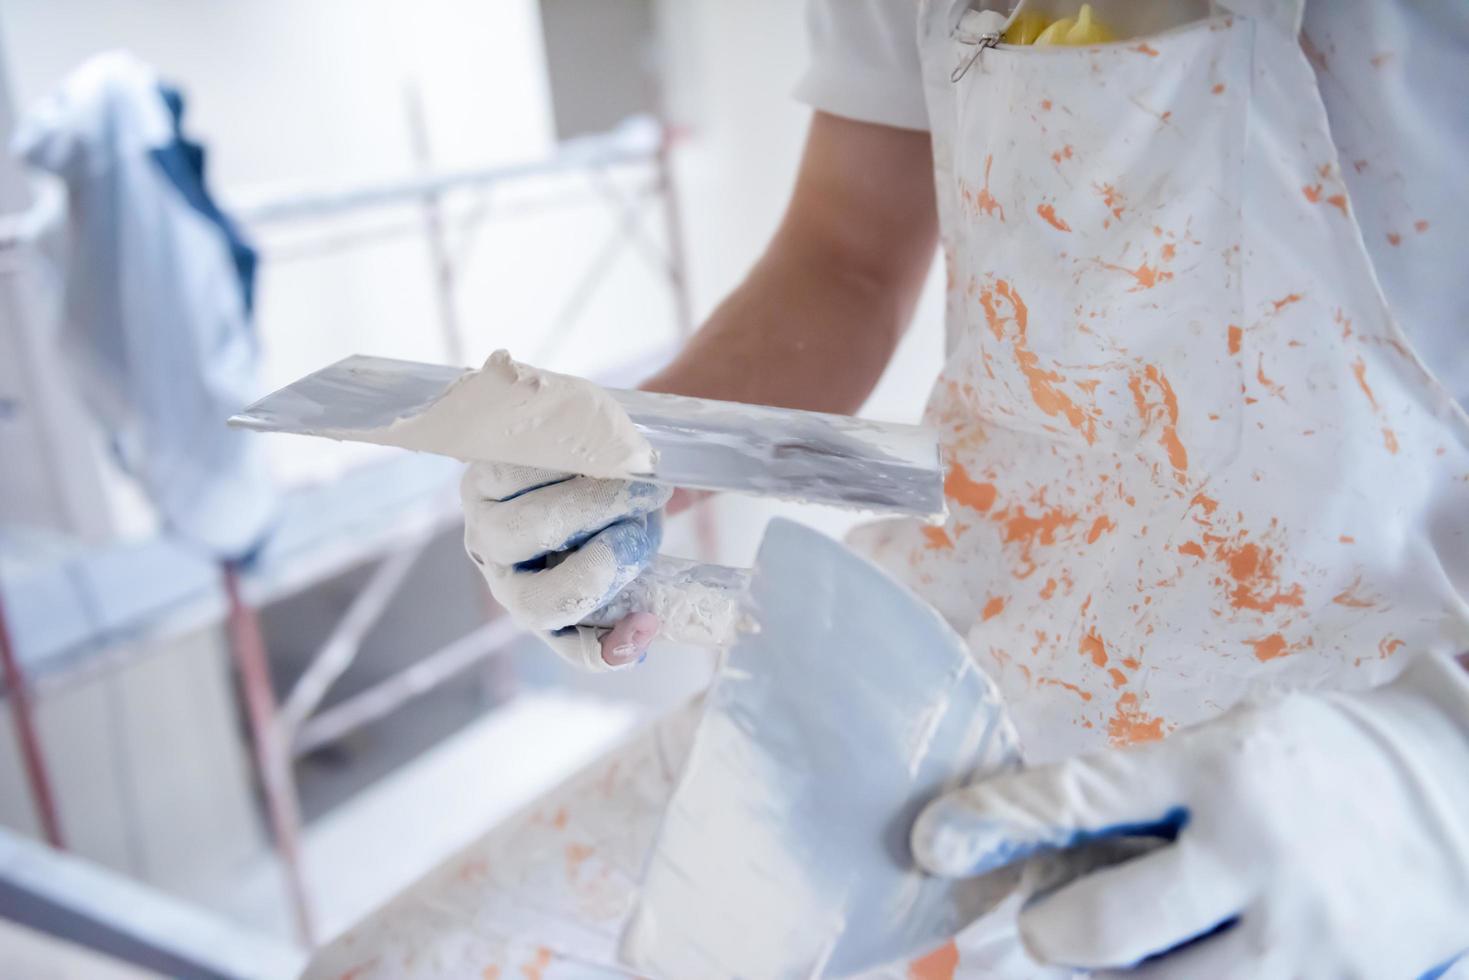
(812, 326)
(816, 320)
(1319, 834)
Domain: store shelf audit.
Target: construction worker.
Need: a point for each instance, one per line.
(1207, 478)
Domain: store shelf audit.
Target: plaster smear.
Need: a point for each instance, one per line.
(697, 604)
(509, 412)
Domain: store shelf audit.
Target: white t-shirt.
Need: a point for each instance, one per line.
(1402, 168)
(864, 62)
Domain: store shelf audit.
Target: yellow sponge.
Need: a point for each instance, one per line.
(1056, 33)
(1025, 28)
(1084, 28)
(1088, 30)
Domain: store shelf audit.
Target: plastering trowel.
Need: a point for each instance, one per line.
(686, 442)
(784, 850)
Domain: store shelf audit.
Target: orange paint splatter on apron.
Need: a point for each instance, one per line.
(1255, 573)
(1389, 437)
(1271, 386)
(1236, 336)
(1420, 226)
(1112, 199)
(1028, 531)
(962, 489)
(1192, 548)
(1145, 49)
(608, 782)
(1393, 238)
(1164, 411)
(936, 538)
(576, 856)
(490, 973)
(982, 200)
(1099, 527)
(1339, 201)
(1270, 647)
(472, 870)
(1048, 214)
(1312, 192)
(1218, 89)
(536, 968)
(1389, 646)
(938, 965)
(1148, 276)
(1092, 645)
(1050, 589)
(993, 608)
(1130, 725)
(1065, 153)
(1359, 368)
(1282, 303)
(1053, 682)
(1043, 391)
(1348, 597)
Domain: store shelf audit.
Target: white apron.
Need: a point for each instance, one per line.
(1191, 456)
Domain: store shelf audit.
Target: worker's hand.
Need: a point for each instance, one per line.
(556, 548)
(1317, 836)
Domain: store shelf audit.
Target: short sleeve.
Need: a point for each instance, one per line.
(864, 62)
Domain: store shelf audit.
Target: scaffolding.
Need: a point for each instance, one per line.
(284, 730)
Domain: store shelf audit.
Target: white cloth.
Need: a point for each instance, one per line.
(157, 317)
(1313, 836)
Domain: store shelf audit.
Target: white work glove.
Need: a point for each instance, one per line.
(1321, 835)
(555, 548)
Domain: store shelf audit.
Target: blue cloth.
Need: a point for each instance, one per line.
(159, 290)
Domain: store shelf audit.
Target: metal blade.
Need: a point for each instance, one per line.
(701, 443)
(784, 851)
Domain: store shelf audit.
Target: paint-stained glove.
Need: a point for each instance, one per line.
(1321, 835)
(555, 548)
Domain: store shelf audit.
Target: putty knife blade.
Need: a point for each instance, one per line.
(701, 443)
(784, 851)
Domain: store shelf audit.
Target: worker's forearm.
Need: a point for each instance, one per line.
(817, 319)
(802, 331)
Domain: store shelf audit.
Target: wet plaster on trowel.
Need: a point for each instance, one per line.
(514, 413)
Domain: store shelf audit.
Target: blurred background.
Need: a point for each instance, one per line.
(276, 745)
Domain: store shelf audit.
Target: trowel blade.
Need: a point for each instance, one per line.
(704, 444)
(784, 851)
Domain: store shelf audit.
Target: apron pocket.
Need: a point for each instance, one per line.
(1096, 196)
